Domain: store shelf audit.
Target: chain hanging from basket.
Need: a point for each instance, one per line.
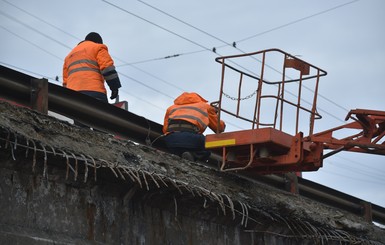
(244, 98)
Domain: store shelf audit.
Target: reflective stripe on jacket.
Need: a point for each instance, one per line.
(192, 108)
(87, 66)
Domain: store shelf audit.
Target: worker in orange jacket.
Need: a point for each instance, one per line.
(88, 65)
(184, 124)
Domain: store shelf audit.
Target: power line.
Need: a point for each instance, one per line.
(141, 99)
(69, 34)
(152, 23)
(228, 44)
(145, 85)
(46, 22)
(34, 29)
(175, 18)
(371, 167)
(31, 28)
(173, 85)
(355, 179)
(259, 34)
(296, 21)
(361, 172)
(160, 58)
(128, 12)
(28, 41)
(27, 71)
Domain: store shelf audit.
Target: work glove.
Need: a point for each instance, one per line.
(114, 94)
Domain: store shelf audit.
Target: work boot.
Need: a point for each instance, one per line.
(188, 156)
(202, 156)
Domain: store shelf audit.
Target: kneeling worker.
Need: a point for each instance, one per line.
(184, 124)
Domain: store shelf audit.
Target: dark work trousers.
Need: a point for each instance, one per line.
(96, 95)
(179, 142)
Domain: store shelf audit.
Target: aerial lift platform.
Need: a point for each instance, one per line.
(278, 105)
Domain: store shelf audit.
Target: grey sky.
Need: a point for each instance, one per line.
(345, 38)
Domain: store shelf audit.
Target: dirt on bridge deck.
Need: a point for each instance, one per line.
(256, 206)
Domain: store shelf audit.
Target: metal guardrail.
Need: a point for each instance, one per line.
(31, 92)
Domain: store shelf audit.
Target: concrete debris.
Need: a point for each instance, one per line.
(86, 153)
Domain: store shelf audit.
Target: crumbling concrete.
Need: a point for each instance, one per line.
(61, 184)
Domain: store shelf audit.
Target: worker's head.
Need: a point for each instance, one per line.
(94, 37)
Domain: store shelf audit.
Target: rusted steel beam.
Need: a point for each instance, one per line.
(39, 95)
(16, 86)
(367, 211)
(291, 181)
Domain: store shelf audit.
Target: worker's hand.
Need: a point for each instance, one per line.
(223, 126)
(114, 94)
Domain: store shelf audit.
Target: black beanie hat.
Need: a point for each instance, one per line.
(94, 37)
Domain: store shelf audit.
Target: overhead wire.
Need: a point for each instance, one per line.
(58, 82)
(259, 34)
(44, 50)
(160, 58)
(296, 21)
(152, 23)
(184, 22)
(61, 30)
(78, 39)
(28, 41)
(360, 171)
(354, 178)
(368, 168)
(147, 86)
(146, 101)
(28, 71)
(205, 48)
(34, 29)
(163, 28)
(42, 20)
(232, 44)
(160, 79)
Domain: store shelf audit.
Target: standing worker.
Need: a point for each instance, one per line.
(88, 65)
(184, 124)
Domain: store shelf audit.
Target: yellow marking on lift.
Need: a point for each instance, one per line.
(217, 143)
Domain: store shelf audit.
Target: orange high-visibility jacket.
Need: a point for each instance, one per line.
(191, 107)
(87, 66)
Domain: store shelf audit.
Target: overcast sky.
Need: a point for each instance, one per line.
(162, 48)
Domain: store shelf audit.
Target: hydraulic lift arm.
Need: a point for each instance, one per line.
(370, 131)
